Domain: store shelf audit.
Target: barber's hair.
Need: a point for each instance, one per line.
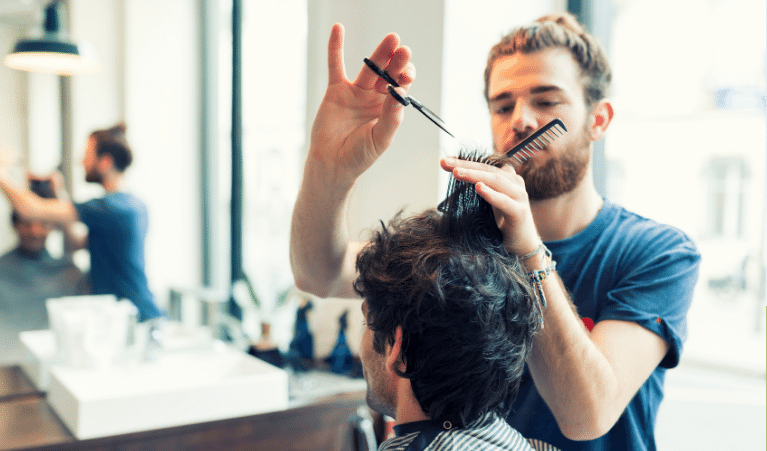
(559, 30)
(111, 141)
(466, 309)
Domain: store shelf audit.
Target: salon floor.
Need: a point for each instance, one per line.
(711, 409)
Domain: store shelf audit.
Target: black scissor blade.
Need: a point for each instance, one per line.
(429, 114)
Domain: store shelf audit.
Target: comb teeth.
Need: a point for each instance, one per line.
(537, 142)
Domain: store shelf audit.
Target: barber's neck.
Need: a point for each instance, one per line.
(565, 215)
(112, 181)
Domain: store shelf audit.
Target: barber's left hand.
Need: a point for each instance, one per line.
(505, 191)
(58, 185)
(357, 120)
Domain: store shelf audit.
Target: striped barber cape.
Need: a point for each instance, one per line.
(488, 433)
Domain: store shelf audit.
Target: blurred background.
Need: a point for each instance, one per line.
(218, 117)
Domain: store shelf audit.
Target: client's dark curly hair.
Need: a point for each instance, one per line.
(466, 309)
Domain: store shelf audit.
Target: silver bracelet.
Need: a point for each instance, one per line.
(533, 253)
(541, 247)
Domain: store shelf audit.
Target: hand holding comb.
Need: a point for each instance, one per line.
(461, 195)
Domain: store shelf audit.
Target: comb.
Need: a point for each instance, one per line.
(536, 142)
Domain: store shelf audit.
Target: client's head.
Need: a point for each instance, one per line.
(32, 234)
(441, 290)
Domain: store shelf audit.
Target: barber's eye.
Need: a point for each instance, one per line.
(547, 103)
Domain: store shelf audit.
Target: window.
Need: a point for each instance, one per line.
(726, 181)
(689, 136)
(273, 101)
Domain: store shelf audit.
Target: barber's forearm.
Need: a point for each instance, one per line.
(31, 206)
(22, 201)
(320, 253)
(574, 378)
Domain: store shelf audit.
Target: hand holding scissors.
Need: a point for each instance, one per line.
(407, 100)
(357, 119)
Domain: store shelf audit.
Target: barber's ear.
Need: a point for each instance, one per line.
(105, 162)
(393, 359)
(601, 117)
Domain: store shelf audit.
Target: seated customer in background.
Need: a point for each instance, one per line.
(450, 321)
(28, 276)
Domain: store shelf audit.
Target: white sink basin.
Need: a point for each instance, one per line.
(39, 354)
(40, 349)
(178, 388)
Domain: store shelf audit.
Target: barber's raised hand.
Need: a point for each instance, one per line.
(356, 121)
(505, 191)
(58, 185)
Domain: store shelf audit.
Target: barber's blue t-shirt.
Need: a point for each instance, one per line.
(117, 226)
(629, 268)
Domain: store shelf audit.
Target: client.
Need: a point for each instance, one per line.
(450, 319)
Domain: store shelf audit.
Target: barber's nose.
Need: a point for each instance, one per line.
(522, 118)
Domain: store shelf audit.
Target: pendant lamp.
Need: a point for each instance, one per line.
(52, 53)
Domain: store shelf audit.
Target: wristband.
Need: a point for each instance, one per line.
(537, 277)
(534, 252)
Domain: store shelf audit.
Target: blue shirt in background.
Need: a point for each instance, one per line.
(117, 225)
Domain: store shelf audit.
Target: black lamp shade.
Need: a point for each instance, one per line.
(47, 46)
(52, 54)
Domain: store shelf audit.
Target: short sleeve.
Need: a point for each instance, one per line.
(656, 284)
(88, 211)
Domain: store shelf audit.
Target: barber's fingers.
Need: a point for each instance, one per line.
(510, 205)
(336, 70)
(382, 56)
(388, 122)
(400, 68)
(501, 180)
(513, 217)
(496, 178)
(56, 178)
(388, 55)
(450, 163)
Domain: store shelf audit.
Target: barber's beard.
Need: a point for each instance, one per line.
(93, 176)
(561, 174)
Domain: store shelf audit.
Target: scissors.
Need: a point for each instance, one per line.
(407, 100)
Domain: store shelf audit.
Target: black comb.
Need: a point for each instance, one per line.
(536, 142)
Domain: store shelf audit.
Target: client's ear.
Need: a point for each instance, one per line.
(393, 360)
